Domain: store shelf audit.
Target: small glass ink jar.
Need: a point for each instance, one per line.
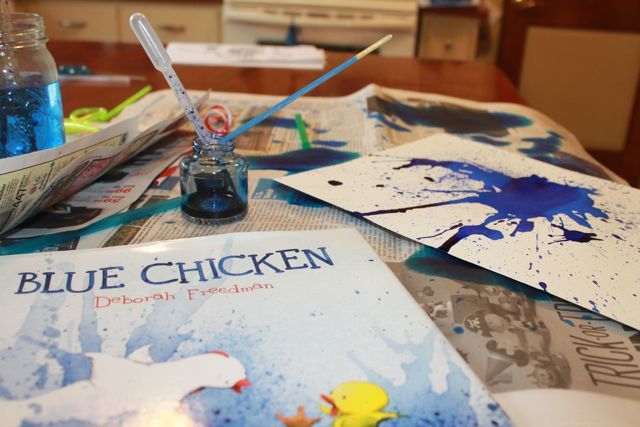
(213, 181)
(30, 104)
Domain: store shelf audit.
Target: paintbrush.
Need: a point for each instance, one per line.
(257, 119)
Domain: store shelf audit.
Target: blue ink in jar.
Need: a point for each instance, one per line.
(31, 116)
(30, 119)
(213, 182)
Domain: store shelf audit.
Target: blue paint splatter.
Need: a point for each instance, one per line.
(76, 367)
(548, 150)
(277, 122)
(489, 141)
(458, 330)
(575, 236)
(90, 339)
(543, 285)
(432, 262)
(301, 160)
(332, 144)
(452, 118)
(518, 200)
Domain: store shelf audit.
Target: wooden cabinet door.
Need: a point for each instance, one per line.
(580, 61)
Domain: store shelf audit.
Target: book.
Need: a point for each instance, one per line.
(250, 329)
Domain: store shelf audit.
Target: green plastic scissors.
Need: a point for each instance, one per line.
(80, 119)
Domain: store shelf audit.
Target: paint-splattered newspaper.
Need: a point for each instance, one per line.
(546, 343)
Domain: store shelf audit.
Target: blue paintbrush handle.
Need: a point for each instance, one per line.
(317, 82)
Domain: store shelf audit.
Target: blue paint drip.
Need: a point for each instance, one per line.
(90, 339)
(383, 119)
(331, 144)
(432, 262)
(41, 375)
(548, 150)
(490, 141)
(76, 367)
(301, 160)
(518, 200)
(543, 286)
(277, 122)
(447, 409)
(452, 118)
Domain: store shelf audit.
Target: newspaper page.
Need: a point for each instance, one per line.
(513, 337)
(35, 181)
(111, 193)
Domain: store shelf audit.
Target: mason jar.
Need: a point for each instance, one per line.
(30, 105)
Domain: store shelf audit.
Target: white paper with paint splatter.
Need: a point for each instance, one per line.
(165, 333)
(569, 234)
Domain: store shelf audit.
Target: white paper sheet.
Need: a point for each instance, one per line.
(247, 55)
(568, 234)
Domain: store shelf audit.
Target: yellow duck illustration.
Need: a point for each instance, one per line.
(357, 404)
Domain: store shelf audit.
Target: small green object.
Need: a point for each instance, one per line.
(100, 114)
(71, 127)
(303, 132)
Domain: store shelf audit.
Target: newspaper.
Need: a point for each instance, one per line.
(35, 181)
(513, 337)
(114, 191)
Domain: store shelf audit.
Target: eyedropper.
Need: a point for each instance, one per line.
(161, 61)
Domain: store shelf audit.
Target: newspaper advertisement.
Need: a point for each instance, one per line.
(35, 181)
(513, 337)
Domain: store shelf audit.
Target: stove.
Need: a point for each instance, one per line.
(345, 25)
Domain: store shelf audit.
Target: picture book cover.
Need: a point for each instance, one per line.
(249, 329)
(569, 234)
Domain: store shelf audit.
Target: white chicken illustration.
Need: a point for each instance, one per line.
(120, 386)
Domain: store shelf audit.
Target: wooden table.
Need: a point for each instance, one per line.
(473, 80)
(477, 81)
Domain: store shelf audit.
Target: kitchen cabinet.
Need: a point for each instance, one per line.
(450, 33)
(108, 21)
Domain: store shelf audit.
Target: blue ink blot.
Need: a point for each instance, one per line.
(301, 160)
(452, 118)
(543, 285)
(277, 122)
(548, 150)
(490, 141)
(518, 200)
(332, 144)
(432, 262)
(458, 330)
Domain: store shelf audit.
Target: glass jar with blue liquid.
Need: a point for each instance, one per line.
(213, 182)
(30, 105)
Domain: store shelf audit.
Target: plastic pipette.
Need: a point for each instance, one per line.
(161, 61)
(317, 82)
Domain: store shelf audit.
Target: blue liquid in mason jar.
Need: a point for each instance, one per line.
(30, 119)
